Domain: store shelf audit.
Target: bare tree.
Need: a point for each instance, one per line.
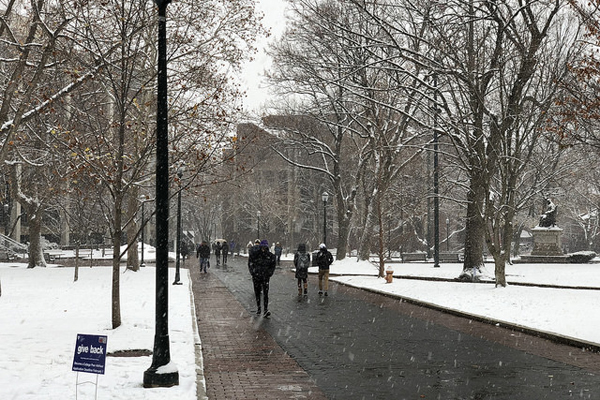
(364, 110)
(491, 91)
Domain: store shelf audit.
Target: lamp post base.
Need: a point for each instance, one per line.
(177, 283)
(152, 379)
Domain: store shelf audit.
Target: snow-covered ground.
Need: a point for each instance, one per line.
(42, 310)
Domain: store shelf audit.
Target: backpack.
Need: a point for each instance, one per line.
(303, 261)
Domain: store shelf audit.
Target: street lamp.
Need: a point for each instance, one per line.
(436, 198)
(6, 209)
(447, 236)
(159, 375)
(178, 245)
(143, 201)
(325, 197)
(258, 224)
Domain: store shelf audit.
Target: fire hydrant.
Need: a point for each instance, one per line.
(389, 277)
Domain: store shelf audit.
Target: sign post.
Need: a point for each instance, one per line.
(90, 357)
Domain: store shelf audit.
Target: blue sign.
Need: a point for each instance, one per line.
(90, 354)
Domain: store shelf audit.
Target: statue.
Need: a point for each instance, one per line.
(548, 218)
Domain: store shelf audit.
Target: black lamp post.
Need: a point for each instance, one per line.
(436, 198)
(143, 200)
(258, 224)
(325, 197)
(178, 246)
(161, 356)
(447, 235)
(6, 209)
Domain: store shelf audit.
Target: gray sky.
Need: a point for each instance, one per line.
(251, 78)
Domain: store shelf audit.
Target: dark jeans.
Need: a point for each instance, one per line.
(204, 264)
(261, 286)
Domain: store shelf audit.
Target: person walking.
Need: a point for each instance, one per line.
(217, 247)
(302, 262)
(225, 251)
(278, 251)
(323, 259)
(203, 255)
(261, 264)
(184, 251)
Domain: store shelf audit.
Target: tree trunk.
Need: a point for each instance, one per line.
(36, 253)
(133, 258)
(364, 250)
(500, 270)
(474, 227)
(345, 210)
(343, 234)
(116, 263)
(381, 233)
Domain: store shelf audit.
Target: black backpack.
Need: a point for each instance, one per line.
(303, 261)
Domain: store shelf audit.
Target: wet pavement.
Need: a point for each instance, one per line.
(355, 344)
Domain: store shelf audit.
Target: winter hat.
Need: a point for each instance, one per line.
(322, 246)
(264, 243)
(302, 247)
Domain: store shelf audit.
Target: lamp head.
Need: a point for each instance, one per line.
(325, 197)
(162, 3)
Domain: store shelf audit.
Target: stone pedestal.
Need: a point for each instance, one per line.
(547, 246)
(546, 241)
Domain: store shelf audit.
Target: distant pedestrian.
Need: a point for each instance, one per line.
(323, 259)
(184, 251)
(278, 251)
(225, 251)
(203, 255)
(301, 263)
(217, 248)
(261, 263)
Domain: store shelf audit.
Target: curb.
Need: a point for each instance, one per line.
(200, 380)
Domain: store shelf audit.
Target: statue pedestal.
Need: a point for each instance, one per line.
(546, 246)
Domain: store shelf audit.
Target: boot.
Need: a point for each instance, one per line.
(299, 291)
(306, 289)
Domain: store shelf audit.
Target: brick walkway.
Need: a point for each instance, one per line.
(241, 360)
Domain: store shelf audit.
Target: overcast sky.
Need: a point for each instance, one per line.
(252, 77)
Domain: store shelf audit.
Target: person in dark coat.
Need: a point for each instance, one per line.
(218, 248)
(261, 263)
(203, 255)
(323, 259)
(225, 251)
(301, 263)
(253, 249)
(278, 251)
(184, 250)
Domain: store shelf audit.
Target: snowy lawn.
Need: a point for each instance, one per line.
(42, 310)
